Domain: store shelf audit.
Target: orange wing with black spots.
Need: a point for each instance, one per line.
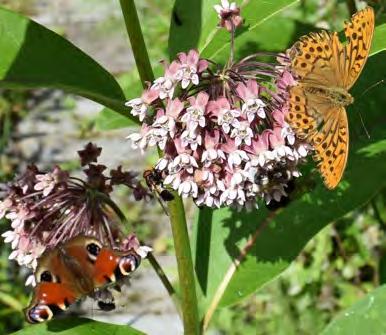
(326, 69)
(359, 33)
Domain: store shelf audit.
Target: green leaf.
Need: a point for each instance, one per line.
(379, 39)
(215, 41)
(365, 317)
(266, 245)
(108, 119)
(185, 21)
(199, 21)
(34, 56)
(10, 301)
(77, 326)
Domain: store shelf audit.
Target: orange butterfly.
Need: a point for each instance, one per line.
(326, 69)
(77, 268)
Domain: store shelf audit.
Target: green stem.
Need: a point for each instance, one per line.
(152, 260)
(176, 209)
(137, 42)
(184, 265)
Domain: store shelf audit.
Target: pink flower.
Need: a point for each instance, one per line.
(140, 140)
(241, 132)
(5, 206)
(188, 188)
(62, 207)
(141, 105)
(48, 181)
(174, 108)
(191, 66)
(191, 138)
(229, 14)
(226, 117)
(165, 85)
(285, 80)
(195, 114)
(252, 103)
(19, 215)
(184, 162)
(277, 143)
(279, 121)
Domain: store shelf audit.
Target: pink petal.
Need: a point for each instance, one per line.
(202, 99)
(242, 91)
(192, 57)
(202, 65)
(253, 88)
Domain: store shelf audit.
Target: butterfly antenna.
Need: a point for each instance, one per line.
(364, 126)
(363, 93)
(371, 87)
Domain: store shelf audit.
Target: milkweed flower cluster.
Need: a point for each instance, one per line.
(222, 129)
(46, 209)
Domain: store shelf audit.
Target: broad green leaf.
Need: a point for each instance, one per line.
(185, 26)
(214, 42)
(365, 317)
(77, 326)
(267, 245)
(108, 119)
(194, 24)
(34, 56)
(379, 40)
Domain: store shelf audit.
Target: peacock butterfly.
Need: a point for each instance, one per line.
(73, 270)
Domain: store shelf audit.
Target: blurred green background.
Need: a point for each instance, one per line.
(340, 265)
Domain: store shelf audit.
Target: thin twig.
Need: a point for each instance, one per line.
(164, 279)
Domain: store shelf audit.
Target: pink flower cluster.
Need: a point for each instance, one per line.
(222, 130)
(46, 209)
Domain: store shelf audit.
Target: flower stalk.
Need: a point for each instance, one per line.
(137, 41)
(176, 209)
(185, 265)
(152, 260)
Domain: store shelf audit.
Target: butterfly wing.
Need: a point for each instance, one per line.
(325, 127)
(63, 276)
(74, 270)
(359, 33)
(316, 58)
(331, 146)
(48, 299)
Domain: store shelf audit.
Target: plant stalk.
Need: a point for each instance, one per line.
(137, 41)
(184, 265)
(176, 209)
(152, 260)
